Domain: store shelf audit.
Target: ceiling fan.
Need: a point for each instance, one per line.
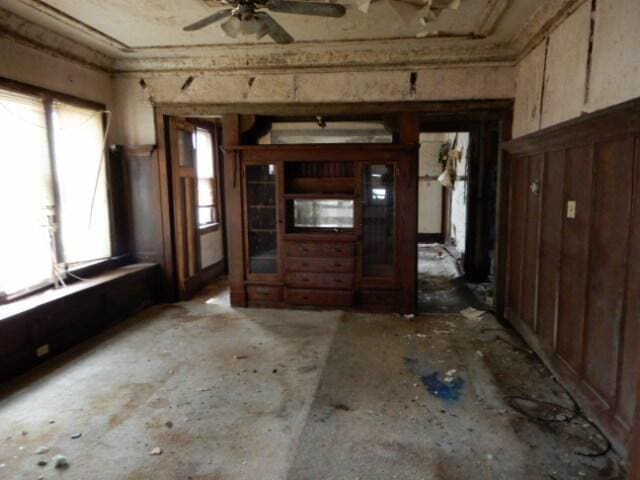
(244, 17)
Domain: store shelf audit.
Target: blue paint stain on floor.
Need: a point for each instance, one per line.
(447, 391)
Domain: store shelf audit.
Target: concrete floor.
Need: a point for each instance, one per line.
(281, 394)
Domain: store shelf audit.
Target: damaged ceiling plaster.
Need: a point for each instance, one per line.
(422, 11)
(147, 35)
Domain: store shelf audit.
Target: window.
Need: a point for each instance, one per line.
(205, 169)
(54, 208)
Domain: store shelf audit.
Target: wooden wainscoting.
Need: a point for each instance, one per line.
(572, 278)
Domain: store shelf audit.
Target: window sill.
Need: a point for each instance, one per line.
(212, 227)
(39, 299)
(75, 274)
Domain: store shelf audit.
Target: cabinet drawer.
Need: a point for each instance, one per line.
(322, 265)
(320, 249)
(264, 293)
(320, 280)
(320, 298)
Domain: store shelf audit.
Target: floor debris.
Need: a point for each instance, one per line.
(75, 436)
(440, 287)
(295, 425)
(156, 451)
(472, 313)
(41, 450)
(60, 462)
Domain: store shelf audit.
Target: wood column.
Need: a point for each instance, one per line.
(231, 133)
(408, 133)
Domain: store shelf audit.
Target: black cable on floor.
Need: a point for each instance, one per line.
(576, 412)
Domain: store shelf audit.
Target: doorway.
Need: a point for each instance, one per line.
(447, 217)
(197, 202)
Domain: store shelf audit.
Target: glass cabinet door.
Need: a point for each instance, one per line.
(261, 218)
(378, 221)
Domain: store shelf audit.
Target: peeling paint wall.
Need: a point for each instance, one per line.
(615, 71)
(135, 112)
(430, 190)
(526, 117)
(459, 193)
(566, 68)
(25, 64)
(558, 81)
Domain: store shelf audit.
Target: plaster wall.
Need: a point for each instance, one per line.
(530, 75)
(429, 189)
(135, 105)
(559, 80)
(25, 64)
(459, 194)
(211, 248)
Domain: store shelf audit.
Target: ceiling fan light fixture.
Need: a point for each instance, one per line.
(232, 27)
(253, 26)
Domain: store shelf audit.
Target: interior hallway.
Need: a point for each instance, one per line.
(282, 394)
(441, 288)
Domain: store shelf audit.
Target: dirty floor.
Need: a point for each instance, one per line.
(233, 394)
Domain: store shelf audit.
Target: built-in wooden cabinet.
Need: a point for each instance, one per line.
(319, 226)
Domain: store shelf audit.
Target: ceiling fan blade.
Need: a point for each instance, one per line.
(208, 20)
(307, 8)
(274, 29)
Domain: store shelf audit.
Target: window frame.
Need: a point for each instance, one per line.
(48, 97)
(211, 127)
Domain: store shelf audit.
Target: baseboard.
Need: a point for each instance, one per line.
(430, 238)
(212, 272)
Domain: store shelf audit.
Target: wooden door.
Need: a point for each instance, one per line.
(183, 165)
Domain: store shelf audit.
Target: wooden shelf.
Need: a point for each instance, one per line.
(319, 196)
(321, 185)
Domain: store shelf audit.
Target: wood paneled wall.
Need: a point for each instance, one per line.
(144, 191)
(573, 284)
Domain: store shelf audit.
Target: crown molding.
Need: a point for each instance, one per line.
(343, 55)
(31, 34)
(84, 29)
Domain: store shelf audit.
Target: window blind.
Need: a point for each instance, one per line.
(80, 169)
(26, 194)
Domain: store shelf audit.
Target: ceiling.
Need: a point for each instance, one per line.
(147, 34)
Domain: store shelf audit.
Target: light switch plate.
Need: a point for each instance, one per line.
(571, 209)
(42, 351)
